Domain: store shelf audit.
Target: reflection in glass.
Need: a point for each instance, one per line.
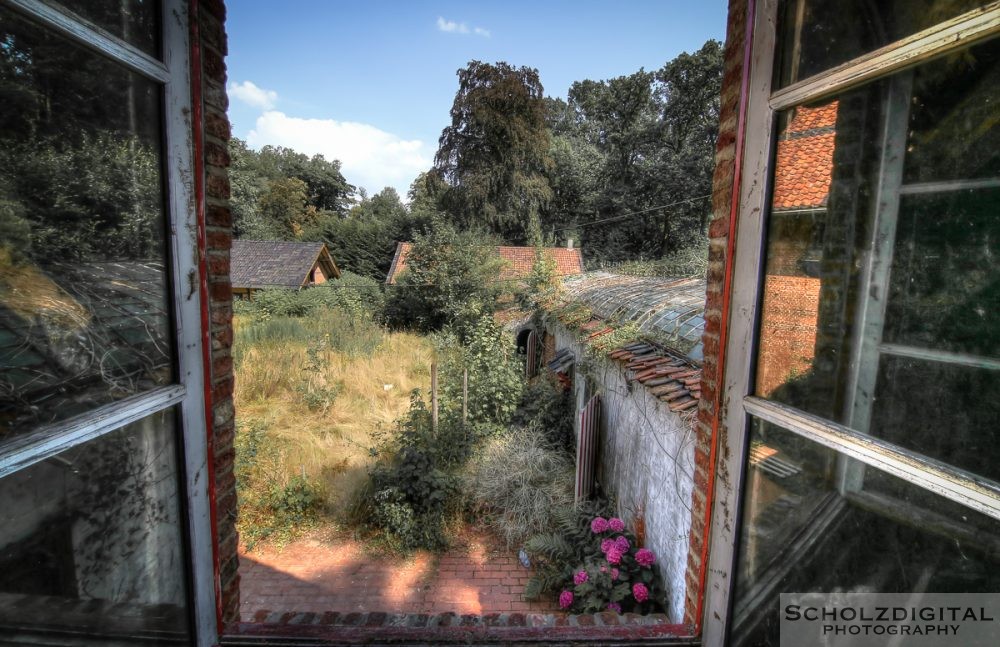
(882, 242)
(136, 22)
(814, 520)
(817, 35)
(83, 289)
(91, 538)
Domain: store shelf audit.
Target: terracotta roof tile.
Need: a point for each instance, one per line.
(804, 161)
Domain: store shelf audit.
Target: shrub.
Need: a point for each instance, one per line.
(516, 481)
(273, 506)
(595, 565)
(357, 296)
(414, 484)
(495, 381)
(547, 407)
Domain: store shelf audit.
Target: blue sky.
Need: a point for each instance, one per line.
(371, 82)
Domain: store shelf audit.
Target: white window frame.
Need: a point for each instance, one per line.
(173, 73)
(737, 402)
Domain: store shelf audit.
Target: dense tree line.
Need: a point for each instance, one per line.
(623, 166)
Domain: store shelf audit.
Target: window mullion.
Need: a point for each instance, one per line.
(963, 487)
(86, 33)
(45, 443)
(951, 35)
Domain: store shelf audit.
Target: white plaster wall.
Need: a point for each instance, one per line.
(646, 462)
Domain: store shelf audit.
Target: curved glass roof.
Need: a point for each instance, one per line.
(671, 309)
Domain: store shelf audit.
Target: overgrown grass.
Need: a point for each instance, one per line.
(321, 386)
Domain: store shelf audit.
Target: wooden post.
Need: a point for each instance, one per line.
(465, 395)
(434, 397)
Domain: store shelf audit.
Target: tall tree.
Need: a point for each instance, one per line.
(495, 153)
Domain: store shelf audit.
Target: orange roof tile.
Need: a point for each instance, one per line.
(804, 163)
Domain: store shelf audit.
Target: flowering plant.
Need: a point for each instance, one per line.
(619, 578)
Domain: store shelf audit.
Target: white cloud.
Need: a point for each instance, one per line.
(370, 157)
(250, 94)
(452, 27)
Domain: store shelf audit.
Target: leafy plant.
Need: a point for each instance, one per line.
(516, 481)
(596, 565)
(547, 407)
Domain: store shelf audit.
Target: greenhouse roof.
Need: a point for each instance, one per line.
(670, 309)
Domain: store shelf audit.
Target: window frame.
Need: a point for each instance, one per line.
(186, 292)
(737, 386)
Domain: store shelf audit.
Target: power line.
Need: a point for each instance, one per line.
(634, 213)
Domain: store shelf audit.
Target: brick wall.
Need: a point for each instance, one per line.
(722, 196)
(218, 237)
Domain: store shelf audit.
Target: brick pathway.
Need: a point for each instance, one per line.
(320, 575)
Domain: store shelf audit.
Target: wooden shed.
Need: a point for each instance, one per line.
(260, 264)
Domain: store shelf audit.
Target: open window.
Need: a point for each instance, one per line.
(867, 438)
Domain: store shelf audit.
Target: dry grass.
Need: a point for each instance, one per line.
(327, 438)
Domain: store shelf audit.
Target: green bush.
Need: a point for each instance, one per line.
(272, 505)
(495, 380)
(593, 565)
(516, 481)
(548, 407)
(414, 483)
(357, 296)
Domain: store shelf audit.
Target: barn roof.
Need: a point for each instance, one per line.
(518, 261)
(671, 308)
(276, 263)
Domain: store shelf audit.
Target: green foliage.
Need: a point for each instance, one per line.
(495, 153)
(516, 481)
(572, 559)
(690, 261)
(273, 505)
(450, 280)
(356, 296)
(97, 198)
(495, 382)
(278, 194)
(547, 407)
(414, 483)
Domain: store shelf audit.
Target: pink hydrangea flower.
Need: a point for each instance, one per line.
(614, 606)
(598, 525)
(580, 577)
(616, 524)
(640, 592)
(621, 544)
(607, 545)
(614, 573)
(604, 569)
(565, 599)
(614, 555)
(645, 557)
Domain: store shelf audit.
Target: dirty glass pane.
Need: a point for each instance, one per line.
(946, 411)
(83, 284)
(816, 35)
(91, 539)
(137, 22)
(944, 289)
(938, 220)
(814, 520)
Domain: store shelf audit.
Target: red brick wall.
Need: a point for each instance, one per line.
(788, 330)
(218, 233)
(722, 196)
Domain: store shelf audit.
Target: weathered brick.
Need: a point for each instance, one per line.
(217, 125)
(217, 186)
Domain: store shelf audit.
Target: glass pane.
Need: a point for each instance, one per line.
(815, 521)
(834, 180)
(83, 288)
(136, 22)
(91, 539)
(816, 35)
(944, 289)
(945, 411)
